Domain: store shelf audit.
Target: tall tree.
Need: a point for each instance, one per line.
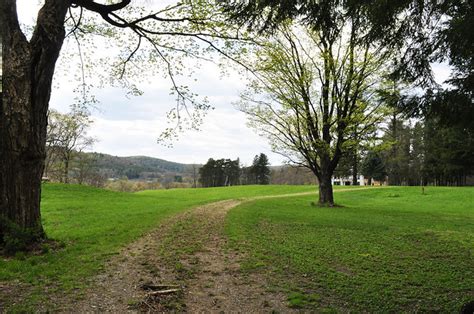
(448, 153)
(428, 152)
(423, 31)
(373, 167)
(220, 172)
(66, 137)
(397, 138)
(207, 173)
(231, 172)
(29, 64)
(312, 88)
(260, 169)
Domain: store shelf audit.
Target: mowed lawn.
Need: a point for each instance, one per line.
(94, 224)
(385, 250)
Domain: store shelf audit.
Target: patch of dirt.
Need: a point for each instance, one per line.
(15, 291)
(219, 285)
(188, 254)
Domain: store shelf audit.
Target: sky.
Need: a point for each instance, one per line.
(130, 126)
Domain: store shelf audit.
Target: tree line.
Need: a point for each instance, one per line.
(422, 152)
(226, 172)
(421, 149)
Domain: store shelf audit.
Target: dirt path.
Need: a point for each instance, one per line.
(219, 285)
(186, 255)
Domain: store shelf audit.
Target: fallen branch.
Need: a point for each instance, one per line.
(157, 287)
(162, 292)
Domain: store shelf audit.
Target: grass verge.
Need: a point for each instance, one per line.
(377, 253)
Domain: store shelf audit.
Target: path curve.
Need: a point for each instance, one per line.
(187, 251)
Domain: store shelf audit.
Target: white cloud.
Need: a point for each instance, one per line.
(131, 126)
(223, 136)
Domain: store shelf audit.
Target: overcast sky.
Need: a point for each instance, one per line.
(130, 126)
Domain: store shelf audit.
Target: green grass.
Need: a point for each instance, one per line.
(385, 250)
(94, 224)
(389, 249)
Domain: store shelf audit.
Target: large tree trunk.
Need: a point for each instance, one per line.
(28, 69)
(326, 197)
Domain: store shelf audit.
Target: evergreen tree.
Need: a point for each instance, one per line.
(260, 169)
(373, 167)
(397, 157)
(448, 152)
(220, 172)
(430, 152)
(231, 169)
(206, 173)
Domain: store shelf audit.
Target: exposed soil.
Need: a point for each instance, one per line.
(15, 291)
(219, 285)
(187, 253)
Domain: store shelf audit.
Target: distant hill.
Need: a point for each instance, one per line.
(145, 168)
(139, 167)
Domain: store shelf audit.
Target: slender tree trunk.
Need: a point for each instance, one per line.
(28, 69)
(194, 176)
(355, 169)
(66, 170)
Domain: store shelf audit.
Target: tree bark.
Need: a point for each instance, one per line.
(355, 169)
(326, 197)
(66, 170)
(28, 68)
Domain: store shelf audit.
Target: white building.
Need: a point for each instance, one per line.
(347, 180)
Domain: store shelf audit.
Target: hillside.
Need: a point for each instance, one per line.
(143, 168)
(138, 167)
(156, 169)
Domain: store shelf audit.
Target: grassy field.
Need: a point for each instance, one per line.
(384, 249)
(389, 249)
(94, 224)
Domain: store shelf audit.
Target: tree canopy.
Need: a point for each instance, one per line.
(313, 90)
(260, 170)
(421, 30)
(220, 172)
(373, 167)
